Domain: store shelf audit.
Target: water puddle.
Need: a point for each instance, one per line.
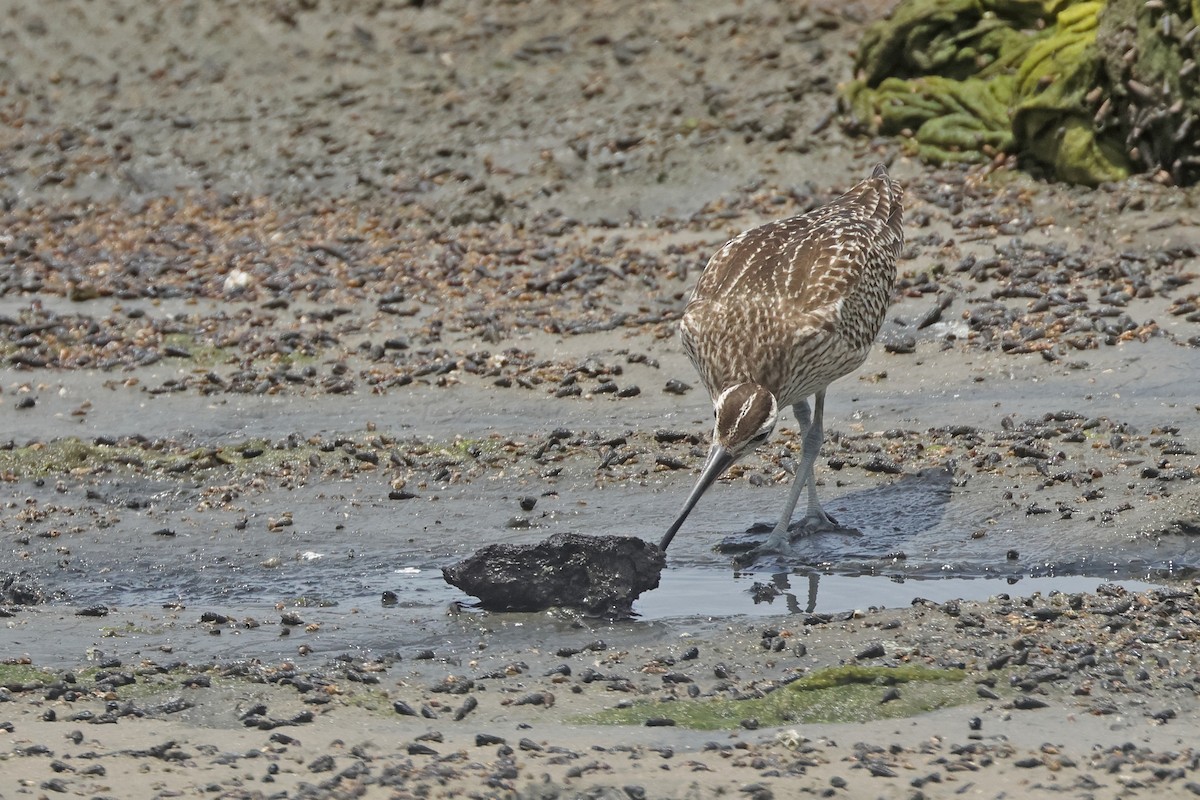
(922, 536)
(709, 593)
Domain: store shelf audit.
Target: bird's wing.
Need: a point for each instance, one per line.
(811, 259)
(694, 336)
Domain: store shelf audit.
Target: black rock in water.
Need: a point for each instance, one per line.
(19, 589)
(601, 575)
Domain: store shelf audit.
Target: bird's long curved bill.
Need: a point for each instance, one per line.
(718, 461)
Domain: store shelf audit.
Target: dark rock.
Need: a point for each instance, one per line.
(1027, 703)
(999, 661)
(323, 763)
(469, 705)
(873, 651)
(535, 699)
(453, 684)
(600, 575)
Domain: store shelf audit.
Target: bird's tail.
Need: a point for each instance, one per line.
(884, 197)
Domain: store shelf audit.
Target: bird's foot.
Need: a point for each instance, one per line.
(778, 546)
(747, 547)
(820, 523)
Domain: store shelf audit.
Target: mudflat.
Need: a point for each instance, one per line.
(302, 301)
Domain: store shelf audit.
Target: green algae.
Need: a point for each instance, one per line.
(1052, 121)
(16, 675)
(834, 694)
(200, 353)
(375, 701)
(63, 457)
(74, 456)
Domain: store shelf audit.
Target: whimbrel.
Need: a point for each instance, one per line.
(779, 313)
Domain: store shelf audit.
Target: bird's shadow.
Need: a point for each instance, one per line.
(887, 517)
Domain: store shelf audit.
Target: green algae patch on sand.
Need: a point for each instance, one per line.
(71, 455)
(74, 456)
(834, 694)
(61, 457)
(200, 352)
(16, 676)
(375, 701)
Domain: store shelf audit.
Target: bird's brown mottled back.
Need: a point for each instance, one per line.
(795, 304)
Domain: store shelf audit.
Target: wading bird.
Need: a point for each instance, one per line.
(779, 313)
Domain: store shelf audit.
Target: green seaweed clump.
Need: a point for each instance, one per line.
(1089, 91)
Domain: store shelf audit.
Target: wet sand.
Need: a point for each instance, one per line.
(1074, 695)
(300, 302)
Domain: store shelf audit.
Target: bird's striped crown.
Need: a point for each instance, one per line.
(745, 416)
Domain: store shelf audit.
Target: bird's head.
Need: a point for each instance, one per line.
(745, 417)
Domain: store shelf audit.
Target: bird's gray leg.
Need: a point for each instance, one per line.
(779, 536)
(815, 518)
